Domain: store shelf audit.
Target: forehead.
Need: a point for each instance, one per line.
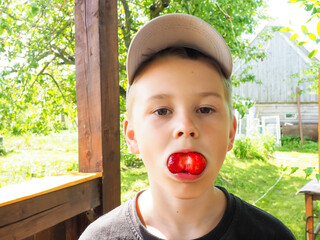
(171, 74)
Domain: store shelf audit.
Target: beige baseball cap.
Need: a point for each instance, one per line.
(177, 30)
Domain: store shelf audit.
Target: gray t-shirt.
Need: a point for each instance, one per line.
(240, 221)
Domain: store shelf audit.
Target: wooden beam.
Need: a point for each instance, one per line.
(111, 189)
(40, 186)
(309, 216)
(97, 83)
(32, 215)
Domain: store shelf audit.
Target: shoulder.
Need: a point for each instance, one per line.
(116, 224)
(249, 220)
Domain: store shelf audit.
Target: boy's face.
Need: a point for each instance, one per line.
(179, 106)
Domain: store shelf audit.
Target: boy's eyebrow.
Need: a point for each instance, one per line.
(201, 94)
(209, 94)
(159, 96)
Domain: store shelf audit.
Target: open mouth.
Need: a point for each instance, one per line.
(192, 163)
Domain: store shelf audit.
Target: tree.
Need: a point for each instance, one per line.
(37, 79)
(310, 75)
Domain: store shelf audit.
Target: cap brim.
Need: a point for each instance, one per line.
(177, 30)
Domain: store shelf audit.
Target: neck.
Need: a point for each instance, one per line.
(172, 218)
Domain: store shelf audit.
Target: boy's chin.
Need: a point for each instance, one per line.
(187, 191)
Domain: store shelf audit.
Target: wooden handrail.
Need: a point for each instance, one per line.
(36, 187)
(45, 202)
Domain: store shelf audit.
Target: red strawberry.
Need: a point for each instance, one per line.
(176, 163)
(195, 163)
(192, 163)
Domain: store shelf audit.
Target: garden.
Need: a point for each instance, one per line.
(255, 171)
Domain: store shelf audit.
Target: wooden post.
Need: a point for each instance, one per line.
(97, 83)
(319, 121)
(299, 114)
(309, 215)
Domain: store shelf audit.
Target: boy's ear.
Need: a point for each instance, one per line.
(232, 133)
(130, 137)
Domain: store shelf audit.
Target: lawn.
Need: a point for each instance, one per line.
(31, 156)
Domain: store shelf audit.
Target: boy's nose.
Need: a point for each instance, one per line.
(186, 128)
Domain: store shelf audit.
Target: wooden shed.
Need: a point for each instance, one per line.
(276, 95)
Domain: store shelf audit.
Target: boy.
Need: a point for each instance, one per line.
(179, 119)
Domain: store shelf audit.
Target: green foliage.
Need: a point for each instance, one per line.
(242, 104)
(255, 147)
(3, 152)
(128, 159)
(37, 79)
(293, 143)
(310, 77)
(313, 7)
(311, 74)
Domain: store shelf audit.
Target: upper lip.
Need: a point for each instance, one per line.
(187, 150)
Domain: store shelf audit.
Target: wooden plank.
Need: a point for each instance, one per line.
(108, 32)
(75, 226)
(97, 84)
(30, 189)
(309, 215)
(28, 217)
(88, 85)
(311, 188)
(55, 232)
(309, 112)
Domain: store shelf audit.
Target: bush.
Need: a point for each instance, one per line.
(259, 146)
(130, 160)
(2, 152)
(293, 143)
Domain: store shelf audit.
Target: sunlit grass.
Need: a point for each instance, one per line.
(250, 179)
(38, 156)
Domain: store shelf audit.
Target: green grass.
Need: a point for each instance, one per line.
(30, 157)
(291, 143)
(250, 179)
(37, 156)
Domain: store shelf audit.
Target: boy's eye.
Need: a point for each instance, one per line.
(205, 110)
(162, 111)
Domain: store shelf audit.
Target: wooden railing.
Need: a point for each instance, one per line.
(49, 206)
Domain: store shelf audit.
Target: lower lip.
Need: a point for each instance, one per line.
(186, 176)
